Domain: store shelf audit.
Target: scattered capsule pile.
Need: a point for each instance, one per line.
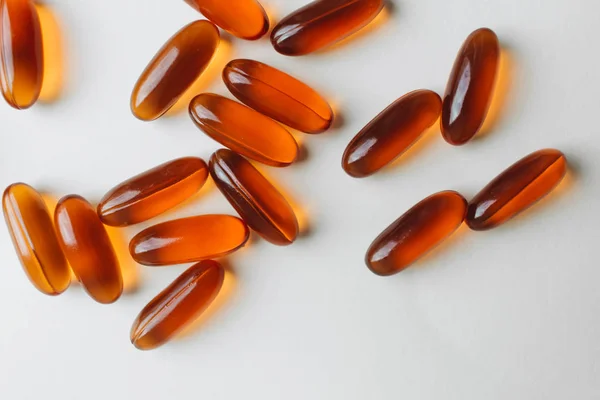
(75, 238)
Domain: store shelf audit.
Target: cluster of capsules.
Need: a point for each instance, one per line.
(75, 238)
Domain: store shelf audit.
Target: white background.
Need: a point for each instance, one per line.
(512, 313)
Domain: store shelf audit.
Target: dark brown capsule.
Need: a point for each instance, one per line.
(278, 95)
(321, 24)
(178, 305)
(416, 232)
(257, 201)
(391, 133)
(516, 189)
(470, 87)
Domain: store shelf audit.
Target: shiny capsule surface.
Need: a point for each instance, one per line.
(32, 232)
(471, 86)
(391, 133)
(278, 95)
(188, 240)
(516, 189)
(153, 192)
(89, 251)
(21, 53)
(321, 24)
(259, 203)
(245, 19)
(243, 130)
(178, 305)
(416, 232)
(174, 69)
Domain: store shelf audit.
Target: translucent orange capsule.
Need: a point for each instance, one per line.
(178, 305)
(21, 53)
(259, 203)
(470, 87)
(89, 251)
(245, 19)
(278, 95)
(244, 130)
(32, 232)
(188, 240)
(416, 232)
(176, 66)
(516, 189)
(153, 192)
(391, 133)
(321, 24)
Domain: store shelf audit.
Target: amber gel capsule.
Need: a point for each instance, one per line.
(259, 203)
(188, 240)
(179, 304)
(416, 232)
(391, 133)
(89, 251)
(278, 95)
(32, 232)
(243, 130)
(174, 69)
(153, 192)
(21, 53)
(470, 87)
(322, 23)
(516, 189)
(245, 19)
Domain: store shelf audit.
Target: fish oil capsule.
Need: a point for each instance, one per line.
(516, 189)
(321, 24)
(174, 69)
(278, 95)
(189, 240)
(245, 19)
(391, 133)
(416, 232)
(244, 130)
(89, 251)
(470, 87)
(153, 192)
(178, 305)
(32, 232)
(21, 53)
(259, 203)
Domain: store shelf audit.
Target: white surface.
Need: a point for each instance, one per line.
(508, 314)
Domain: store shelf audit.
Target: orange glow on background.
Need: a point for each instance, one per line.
(501, 92)
(129, 269)
(54, 55)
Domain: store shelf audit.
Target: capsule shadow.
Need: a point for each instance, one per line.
(219, 305)
(129, 269)
(502, 90)
(55, 59)
(211, 74)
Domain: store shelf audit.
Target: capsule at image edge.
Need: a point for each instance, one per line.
(516, 189)
(32, 231)
(278, 95)
(189, 239)
(177, 305)
(391, 133)
(245, 19)
(470, 87)
(416, 232)
(21, 53)
(258, 202)
(243, 130)
(321, 24)
(89, 251)
(173, 70)
(153, 192)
